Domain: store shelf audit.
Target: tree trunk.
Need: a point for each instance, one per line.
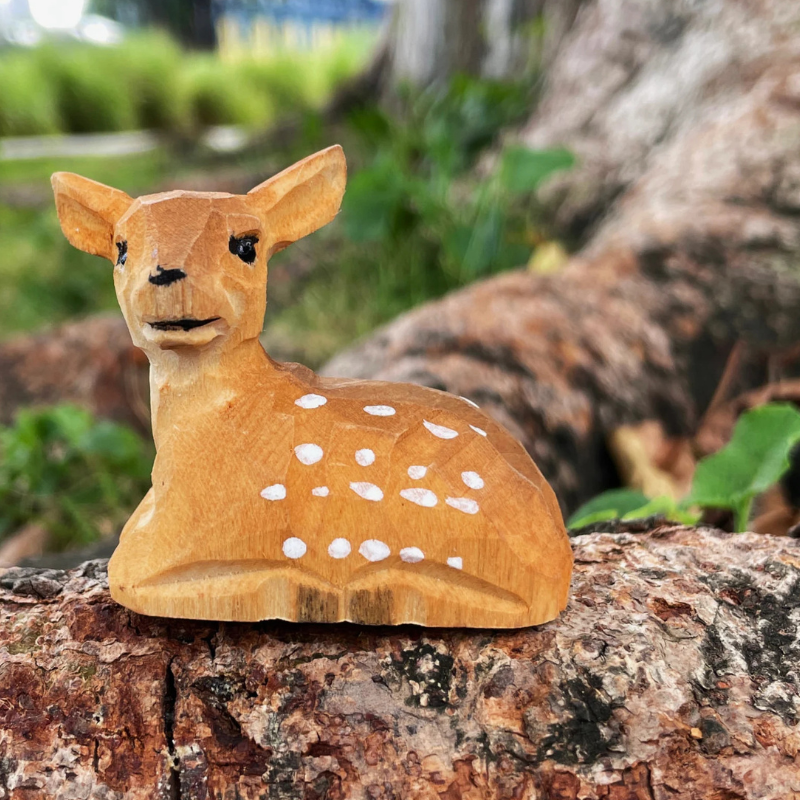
(431, 40)
(673, 673)
(191, 23)
(686, 121)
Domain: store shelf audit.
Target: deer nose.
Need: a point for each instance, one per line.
(164, 277)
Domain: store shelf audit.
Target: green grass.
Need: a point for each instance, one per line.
(132, 173)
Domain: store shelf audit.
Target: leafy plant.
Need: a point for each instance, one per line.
(419, 185)
(756, 457)
(76, 476)
(422, 214)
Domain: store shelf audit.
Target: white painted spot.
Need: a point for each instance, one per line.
(369, 491)
(308, 453)
(416, 472)
(456, 562)
(463, 504)
(311, 401)
(422, 497)
(478, 430)
(467, 400)
(374, 550)
(380, 411)
(294, 547)
(440, 430)
(339, 548)
(275, 492)
(365, 457)
(472, 479)
(412, 555)
(320, 491)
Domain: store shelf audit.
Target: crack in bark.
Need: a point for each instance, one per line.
(170, 699)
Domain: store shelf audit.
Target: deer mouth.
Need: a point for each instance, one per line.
(181, 324)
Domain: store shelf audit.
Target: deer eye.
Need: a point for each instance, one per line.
(244, 247)
(122, 250)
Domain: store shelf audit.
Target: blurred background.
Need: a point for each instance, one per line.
(584, 215)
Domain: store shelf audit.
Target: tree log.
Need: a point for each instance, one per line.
(673, 673)
(91, 362)
(688, 193)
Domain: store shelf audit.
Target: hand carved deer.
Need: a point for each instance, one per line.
(280, 494)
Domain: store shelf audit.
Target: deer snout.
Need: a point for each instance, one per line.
(165, 277)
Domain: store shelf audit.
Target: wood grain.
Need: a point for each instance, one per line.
(279, 494)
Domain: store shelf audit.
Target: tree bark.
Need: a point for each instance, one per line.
(686, 120)
(431, 40)
(673, 673)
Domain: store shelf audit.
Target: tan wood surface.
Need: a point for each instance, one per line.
(279, 494)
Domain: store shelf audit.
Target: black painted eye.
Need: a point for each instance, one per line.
(244, 247)
(122, 249)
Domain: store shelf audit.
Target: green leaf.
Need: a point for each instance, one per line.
(666, 507)
(373, 201)
(755, 458)
(523, 170)
(613, 504)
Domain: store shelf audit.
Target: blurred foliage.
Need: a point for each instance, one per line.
(78, 477)
(149, 82)
(432, 202)
(420, 216)
(756, 458)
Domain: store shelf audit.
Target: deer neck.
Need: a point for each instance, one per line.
(185, 383)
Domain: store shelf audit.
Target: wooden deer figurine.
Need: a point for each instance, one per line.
(280, 494)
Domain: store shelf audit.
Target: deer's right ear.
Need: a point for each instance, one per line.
(88, 212)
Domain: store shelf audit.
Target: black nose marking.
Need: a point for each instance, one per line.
(164, 277)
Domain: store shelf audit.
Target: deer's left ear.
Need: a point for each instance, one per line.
(88, 212)
(302, 198)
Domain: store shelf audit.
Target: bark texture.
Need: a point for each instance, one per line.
(686, 118)
(674, 673)
(429, 41)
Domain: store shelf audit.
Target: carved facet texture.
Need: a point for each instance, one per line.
(278, 494)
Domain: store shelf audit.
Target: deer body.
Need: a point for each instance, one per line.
(277, 493)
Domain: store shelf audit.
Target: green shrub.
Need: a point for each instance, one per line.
(151, 64)
(149, 82)
(28, 102)
(76, 476)
(90, 86)
(417, 219)
(223, 94)
(420, 191)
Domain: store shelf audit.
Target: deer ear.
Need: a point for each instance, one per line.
(88, 212)
(302, 198)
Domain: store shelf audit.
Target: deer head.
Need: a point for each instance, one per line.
(190, 268)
